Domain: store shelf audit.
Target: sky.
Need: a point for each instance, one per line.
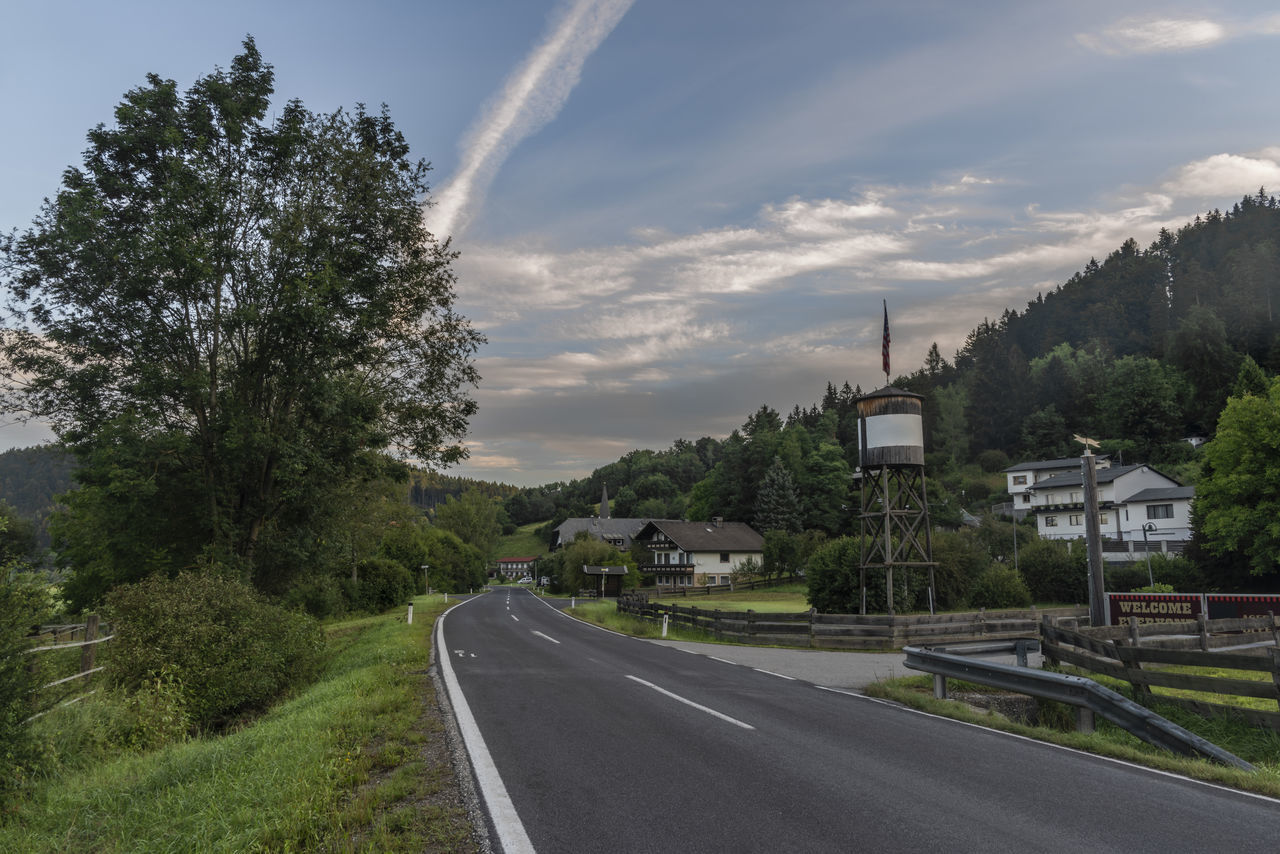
(670, 213)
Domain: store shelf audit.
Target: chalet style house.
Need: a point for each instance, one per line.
(618, 533)
(693, 554)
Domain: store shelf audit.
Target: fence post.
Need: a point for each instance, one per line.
(1046, 639)
(89, 651)
(1275, 669)
(1203, 619)
(1133, 632)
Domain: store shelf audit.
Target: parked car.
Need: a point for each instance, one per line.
(526, 580)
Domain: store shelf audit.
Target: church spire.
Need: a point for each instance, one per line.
(604, 502)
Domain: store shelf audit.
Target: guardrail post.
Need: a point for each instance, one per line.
(939, 686)
(1020, 650)
(1084, 719)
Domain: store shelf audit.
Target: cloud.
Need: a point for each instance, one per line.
(1226, 175)
(531, 97)
(674, 335)
(1156, 35)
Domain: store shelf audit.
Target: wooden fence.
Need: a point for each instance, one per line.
(1121, 652)
(52, 645)
(670, 591)
(844, 631)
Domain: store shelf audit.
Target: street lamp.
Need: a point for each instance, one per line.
(425, 581)
(1146, 546)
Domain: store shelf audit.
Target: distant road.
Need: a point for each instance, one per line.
(604, 743)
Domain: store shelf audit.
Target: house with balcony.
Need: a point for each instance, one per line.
(693, 554)
(1139, 509)
(1023, 476)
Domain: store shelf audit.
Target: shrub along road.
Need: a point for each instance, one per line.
(609, 743)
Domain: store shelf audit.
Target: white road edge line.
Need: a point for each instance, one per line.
(771, 673)
(998, 732)
(548, 637)
(721, 660)
(511, 832)
(697, 706)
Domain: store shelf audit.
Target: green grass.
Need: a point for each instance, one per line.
(356, 762)
(523, 543)
(788, 598)
(1257, 746)
(605, 613)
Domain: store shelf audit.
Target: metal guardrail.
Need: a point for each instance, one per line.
(1085, 694)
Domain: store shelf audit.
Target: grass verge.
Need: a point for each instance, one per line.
(1259, 747)
(355, 762)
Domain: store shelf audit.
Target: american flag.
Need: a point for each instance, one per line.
(884, 348)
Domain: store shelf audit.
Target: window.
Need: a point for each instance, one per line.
(1104, 519)
(724, 557)
(1076, 519)
(1051, 521)
(1026, 498)
(1075, 498)
(1159, 511)
(1019, 480)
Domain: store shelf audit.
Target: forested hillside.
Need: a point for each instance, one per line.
(1140, 351)
(30, 479)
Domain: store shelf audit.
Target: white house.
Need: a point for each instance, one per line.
(684, 554)
(1129, 498)
(1023, 476)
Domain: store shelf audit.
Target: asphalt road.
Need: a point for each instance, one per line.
(594, 742)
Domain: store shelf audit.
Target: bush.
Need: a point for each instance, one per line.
(832, 577)
(1000, 587)
(1052, 573)
(232, 652)
(23, 603)
(961, 557)
(320, 596)
(382, 583)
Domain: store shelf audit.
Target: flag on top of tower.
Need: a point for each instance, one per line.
(884, 348)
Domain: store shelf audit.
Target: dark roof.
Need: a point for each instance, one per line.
(1166, 493)
(1075, 478)
(515, 559)
(600, 529)
(891, 391)
(706, 536)
(1041, 465)
(604, 570)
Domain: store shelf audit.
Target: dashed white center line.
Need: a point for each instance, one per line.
(514, 617)
(548, 637)
(691, 703)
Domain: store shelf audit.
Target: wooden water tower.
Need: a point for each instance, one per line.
(894, 519)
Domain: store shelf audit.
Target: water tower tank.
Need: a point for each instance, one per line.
(892, 428)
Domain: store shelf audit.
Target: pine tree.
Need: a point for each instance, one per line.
(778, 502)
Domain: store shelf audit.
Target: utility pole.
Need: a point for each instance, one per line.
(1093, 540)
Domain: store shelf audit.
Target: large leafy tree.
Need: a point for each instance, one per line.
(258, 299)
(1238, 494)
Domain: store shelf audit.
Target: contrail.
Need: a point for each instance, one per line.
(531, 97)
